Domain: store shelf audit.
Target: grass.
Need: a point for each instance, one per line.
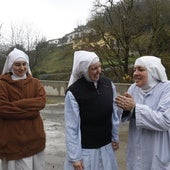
(54, 99)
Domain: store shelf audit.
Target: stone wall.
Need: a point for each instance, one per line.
(58, 88)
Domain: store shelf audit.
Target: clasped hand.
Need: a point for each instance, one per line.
(126, 102)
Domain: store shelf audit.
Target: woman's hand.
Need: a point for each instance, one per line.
(125, 102)
(115, 145)
(78, 165)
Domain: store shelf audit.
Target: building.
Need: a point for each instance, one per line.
(73, 38)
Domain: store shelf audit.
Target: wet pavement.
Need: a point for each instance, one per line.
(55, 140)
(53, 118)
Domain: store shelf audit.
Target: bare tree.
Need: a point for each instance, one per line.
(0, 29)
(23, 35)
(128, 29)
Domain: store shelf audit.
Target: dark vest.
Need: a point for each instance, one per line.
(96, 106)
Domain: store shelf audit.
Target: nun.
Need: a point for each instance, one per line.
(22, 135)
(146, 106)
(91, 119)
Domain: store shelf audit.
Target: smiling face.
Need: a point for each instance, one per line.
(94, 71)
(140, 76)
(20, 68)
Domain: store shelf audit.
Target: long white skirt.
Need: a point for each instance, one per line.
(103, 158)
(35, 162)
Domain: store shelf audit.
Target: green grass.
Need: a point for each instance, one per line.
(57, 62)
(54, 99)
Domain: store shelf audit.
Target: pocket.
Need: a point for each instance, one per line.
(157, 164)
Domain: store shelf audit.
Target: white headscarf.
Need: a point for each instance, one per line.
(82, 61)
(15, 55)
(156, 71)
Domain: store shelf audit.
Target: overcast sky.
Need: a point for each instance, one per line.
(51, 18)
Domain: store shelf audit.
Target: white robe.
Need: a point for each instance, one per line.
(35, 162)
(103, 158)
(149, 134)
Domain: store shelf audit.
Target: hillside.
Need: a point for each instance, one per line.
(54, 64)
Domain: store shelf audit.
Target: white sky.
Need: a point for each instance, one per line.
(51, 18)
